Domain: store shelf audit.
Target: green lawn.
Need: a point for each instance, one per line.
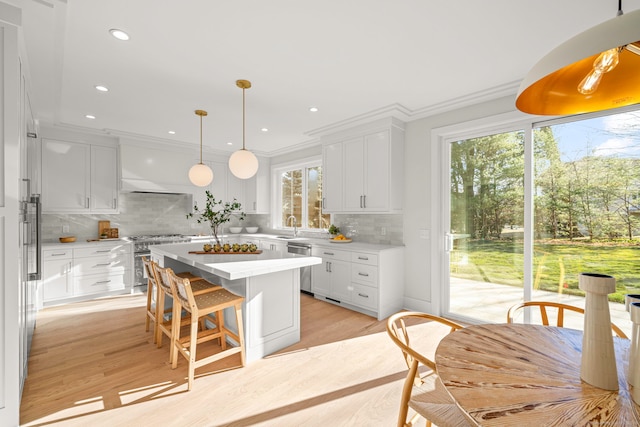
(556, 265)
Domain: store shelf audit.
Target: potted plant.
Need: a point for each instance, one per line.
(333, 230)
(216, 213)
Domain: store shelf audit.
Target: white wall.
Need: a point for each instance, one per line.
(421, 201)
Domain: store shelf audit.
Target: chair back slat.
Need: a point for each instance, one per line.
(181, 288)
(544, 305)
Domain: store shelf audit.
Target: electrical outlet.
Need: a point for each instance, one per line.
(383, 231)
(65, 228)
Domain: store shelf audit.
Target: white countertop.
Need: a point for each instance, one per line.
(234, 267)
(84, 244)
(353, 245)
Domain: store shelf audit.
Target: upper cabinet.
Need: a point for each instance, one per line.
(79, 177)
(363, 169)
(257, 190)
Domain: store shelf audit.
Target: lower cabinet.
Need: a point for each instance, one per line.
(86, 271)
(57, 278)
(368, 282)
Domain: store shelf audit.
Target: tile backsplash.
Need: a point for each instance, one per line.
(155, 213)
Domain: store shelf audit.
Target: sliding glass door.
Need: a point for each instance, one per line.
(525, 222)
(486, 220)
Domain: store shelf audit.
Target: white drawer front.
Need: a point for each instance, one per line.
(362, 258)
(96, 283)
(362, 273)
(101, 264)
(57, 254)
(101, 250)
(329, 253)
(365, 296)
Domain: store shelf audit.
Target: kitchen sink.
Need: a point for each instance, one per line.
(286, 237)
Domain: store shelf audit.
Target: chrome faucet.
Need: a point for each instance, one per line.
(295, 225)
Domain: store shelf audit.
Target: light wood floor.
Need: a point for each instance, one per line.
(92, 364)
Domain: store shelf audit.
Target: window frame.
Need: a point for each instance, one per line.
(276, 202)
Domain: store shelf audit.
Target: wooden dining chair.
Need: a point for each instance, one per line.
(200, 308)
(423, 392)
(561, 308)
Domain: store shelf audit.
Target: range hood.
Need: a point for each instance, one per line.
(145, 170)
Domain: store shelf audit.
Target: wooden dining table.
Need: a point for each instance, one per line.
(529, 375)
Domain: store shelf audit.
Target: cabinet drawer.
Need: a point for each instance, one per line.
(363, 258)
(364, 296)
(113, 263)
(96, 283)
(362, 273)
(101, 250)
(57, 254)
(329, 253)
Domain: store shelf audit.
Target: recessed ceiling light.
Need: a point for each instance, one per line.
(172, 132)
(229, 143)
(119, 34)
(313, 109)
(264, 130)
(90, 116)
(101, 88)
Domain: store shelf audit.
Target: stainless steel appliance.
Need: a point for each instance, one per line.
(301, 248)
(141, 248)
(30, 269)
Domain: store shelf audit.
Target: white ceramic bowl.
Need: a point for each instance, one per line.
(235, 229)
(252, 229)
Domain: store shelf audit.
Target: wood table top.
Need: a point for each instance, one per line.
(525, 375)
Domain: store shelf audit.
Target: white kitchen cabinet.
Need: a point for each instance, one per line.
(362, 170)
(57, 277)
(332, 278)
(79, 177)
(272, 245)
(104, 179)
(85, 271)
(368, 173)
(371, 282)
(332, 179)
(257, 190)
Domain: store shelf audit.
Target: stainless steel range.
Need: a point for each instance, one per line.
(141, 248)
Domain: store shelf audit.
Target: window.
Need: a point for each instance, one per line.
(299, 195)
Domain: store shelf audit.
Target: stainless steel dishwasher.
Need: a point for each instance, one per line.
(305, 272)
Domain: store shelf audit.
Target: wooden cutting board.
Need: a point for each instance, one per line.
(102, 225)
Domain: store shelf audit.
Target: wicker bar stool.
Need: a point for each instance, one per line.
(201, 307)
(165, 322)
(153, 289)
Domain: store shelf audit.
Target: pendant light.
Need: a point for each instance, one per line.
(200, 174)
(243, 163)
(593, 71)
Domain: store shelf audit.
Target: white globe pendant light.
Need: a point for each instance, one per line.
(243, 163)
(200, 174)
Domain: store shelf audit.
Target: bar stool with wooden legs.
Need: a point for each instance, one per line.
(165, 323)
(152, 294)
(200, 307)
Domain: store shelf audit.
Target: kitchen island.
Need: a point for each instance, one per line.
(269, 282)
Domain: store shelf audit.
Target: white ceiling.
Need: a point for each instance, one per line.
(353, 59)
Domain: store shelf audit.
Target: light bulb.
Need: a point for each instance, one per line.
(200, 175)
(243, 164)
(605, 62)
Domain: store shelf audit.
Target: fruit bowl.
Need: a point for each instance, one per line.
(235, 229)
(67, 239)
(252, 229)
